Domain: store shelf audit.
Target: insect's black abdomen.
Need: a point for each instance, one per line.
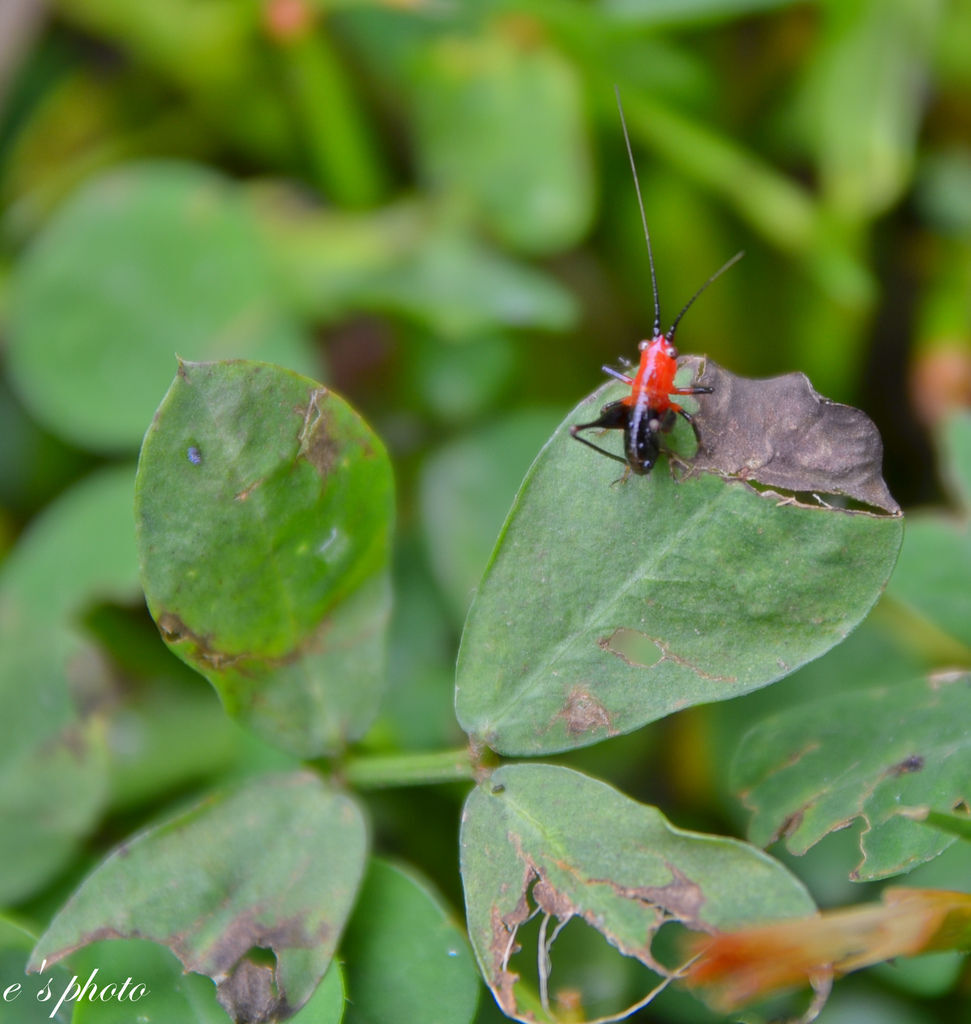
(641, 443)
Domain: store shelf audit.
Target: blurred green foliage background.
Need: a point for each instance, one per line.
(428, 206)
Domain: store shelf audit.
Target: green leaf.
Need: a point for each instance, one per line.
(935, 564)
(461, 383)
(168, 733)
(327, 1004)
(459, 286)
(35, 463)
(865, 114)
(467, 487)
(407, 961)
(52, 790)
(52, 748)
(932, 576)
(21, 1005)
(524, 166)
(407, 260)
(79, 551)
(270, 868)
(158, 991)
(141, 264)
(548, 838)
(606, 607)
(877, 755)
(172, 994)
(264, 508)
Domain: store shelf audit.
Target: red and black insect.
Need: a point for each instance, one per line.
(647, 412)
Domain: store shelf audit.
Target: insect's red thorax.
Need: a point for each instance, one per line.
(655, 375)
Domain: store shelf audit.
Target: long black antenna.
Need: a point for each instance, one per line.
(718, 273)
(647, 234)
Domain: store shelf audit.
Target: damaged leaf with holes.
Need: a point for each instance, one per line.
(545, 841)
(252, 887)
(888, 756)
(264, 507)
(610, 603)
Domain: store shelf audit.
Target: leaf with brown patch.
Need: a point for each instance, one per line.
(263, 509)
(606, 607)
(252, 888)
(880, 755)
(547, 842)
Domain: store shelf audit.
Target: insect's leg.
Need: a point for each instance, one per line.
(622, 479)
(664, 421)
(611, 372)
(613, 416)
(595, 447)
(693, 390)
(688, 418)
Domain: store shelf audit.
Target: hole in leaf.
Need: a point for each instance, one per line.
(261, 956)
(633, 647)
(572, 968)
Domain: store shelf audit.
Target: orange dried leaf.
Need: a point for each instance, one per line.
(738, 967)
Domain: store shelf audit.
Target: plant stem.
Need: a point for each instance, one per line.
(412, 769)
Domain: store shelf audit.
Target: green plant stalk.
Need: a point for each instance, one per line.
(779, 209)
(343, 160)
(422, 768)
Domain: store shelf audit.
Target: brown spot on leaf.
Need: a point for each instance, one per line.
(53, 956)
(668, 655)
(172, 628)
(790, 825)
(245, 933)
(779, 433)
(503, 946)
(520, 913)
(551, 901)
(914, 763)
(175, 631)
(248, 490)
(584, 713)
(681, 899)
(502, 980)
(316, 444)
